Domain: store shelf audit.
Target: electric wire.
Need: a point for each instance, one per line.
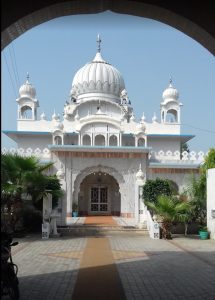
(16, 69)
(13, 69)
(202, 129)
(14, 90)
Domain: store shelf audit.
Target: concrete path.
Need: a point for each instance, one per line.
(183, 268)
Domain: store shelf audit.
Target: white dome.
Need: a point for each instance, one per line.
(140, 127)
(27, 90)
(140, 174)
(97, 76)
(170, 93)
(58, 125)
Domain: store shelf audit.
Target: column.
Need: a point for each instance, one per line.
(69, 191)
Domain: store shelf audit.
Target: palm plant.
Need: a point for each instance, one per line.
(170, 210)
(22, 177)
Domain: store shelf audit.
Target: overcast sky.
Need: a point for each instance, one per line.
(146, 52)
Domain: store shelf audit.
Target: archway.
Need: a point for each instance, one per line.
(178, 15)
(99, 195)
(91, 175)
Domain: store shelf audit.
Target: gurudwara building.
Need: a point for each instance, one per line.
(102, 155)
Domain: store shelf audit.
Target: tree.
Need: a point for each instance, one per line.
(170, 210)
(153, 188)
(196, 191)
(22, 177)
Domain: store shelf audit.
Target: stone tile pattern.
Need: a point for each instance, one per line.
(167, 271)
(48, 268)
(183, 268)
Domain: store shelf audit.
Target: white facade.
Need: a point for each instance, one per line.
(211, 202)
(98, 147)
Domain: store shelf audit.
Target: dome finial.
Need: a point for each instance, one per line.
(170, 81)
(99, 42)
(27, 76)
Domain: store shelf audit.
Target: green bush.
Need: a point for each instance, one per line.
(154, 188)
(32, 219)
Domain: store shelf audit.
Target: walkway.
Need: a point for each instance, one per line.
(120, 266)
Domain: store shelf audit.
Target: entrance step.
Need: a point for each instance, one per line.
(89, 230)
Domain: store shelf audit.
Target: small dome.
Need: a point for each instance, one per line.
(43, 116)
(141, 127)
(140, 174)
(60, 173)
(154, 118)
(58, 125)
(143, 118)
(27, 89)
(170, 92)
(132, 117)
(55, 117)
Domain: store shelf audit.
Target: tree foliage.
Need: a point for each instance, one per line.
(22, 177)
(154, 188)
(170, 210)
(196, 192)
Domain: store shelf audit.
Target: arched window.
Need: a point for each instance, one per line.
(141, 142)
(26, 112)
(128, 140)
(86, 140)
(58, 140)
(172, 116)
(99, 140)
(113, 140)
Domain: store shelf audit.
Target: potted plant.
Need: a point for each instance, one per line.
(74, 209)
(203, 233)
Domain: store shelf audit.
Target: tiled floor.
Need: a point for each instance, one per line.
(143, 268)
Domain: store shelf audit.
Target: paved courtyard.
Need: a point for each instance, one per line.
(70, 267)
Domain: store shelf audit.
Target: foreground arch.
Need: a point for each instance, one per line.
(192, 18)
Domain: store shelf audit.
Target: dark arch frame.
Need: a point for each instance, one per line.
(190, 17)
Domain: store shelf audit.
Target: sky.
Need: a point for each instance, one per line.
(146, 52)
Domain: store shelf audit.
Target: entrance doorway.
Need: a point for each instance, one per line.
(99, 200)
(99, 195)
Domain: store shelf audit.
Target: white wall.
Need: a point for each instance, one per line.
(164, 144)
(211, 201)
(34, 141)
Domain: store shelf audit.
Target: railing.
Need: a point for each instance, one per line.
(159, 156)
(176, 155)
(152, 226)
(44, 153)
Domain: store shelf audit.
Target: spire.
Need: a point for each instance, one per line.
(170, 81)
(99, 42)
(27, 77)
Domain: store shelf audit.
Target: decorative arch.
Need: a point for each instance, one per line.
(26, 112)
(86, 141)
(104, 169)
(197, 26)
(172, 116)
(141, 142)
(99, 140)
(113, 141)
(58, 140)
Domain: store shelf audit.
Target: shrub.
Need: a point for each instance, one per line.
(154, 188)
(32, 219)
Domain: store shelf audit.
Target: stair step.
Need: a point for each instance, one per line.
(98, 230)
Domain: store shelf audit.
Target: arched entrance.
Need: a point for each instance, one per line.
(98, 177)
(178, 15)
(99, 195)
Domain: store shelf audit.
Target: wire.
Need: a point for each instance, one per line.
(15, 64)
(10, 75)
(13, 69)
(202, 129)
